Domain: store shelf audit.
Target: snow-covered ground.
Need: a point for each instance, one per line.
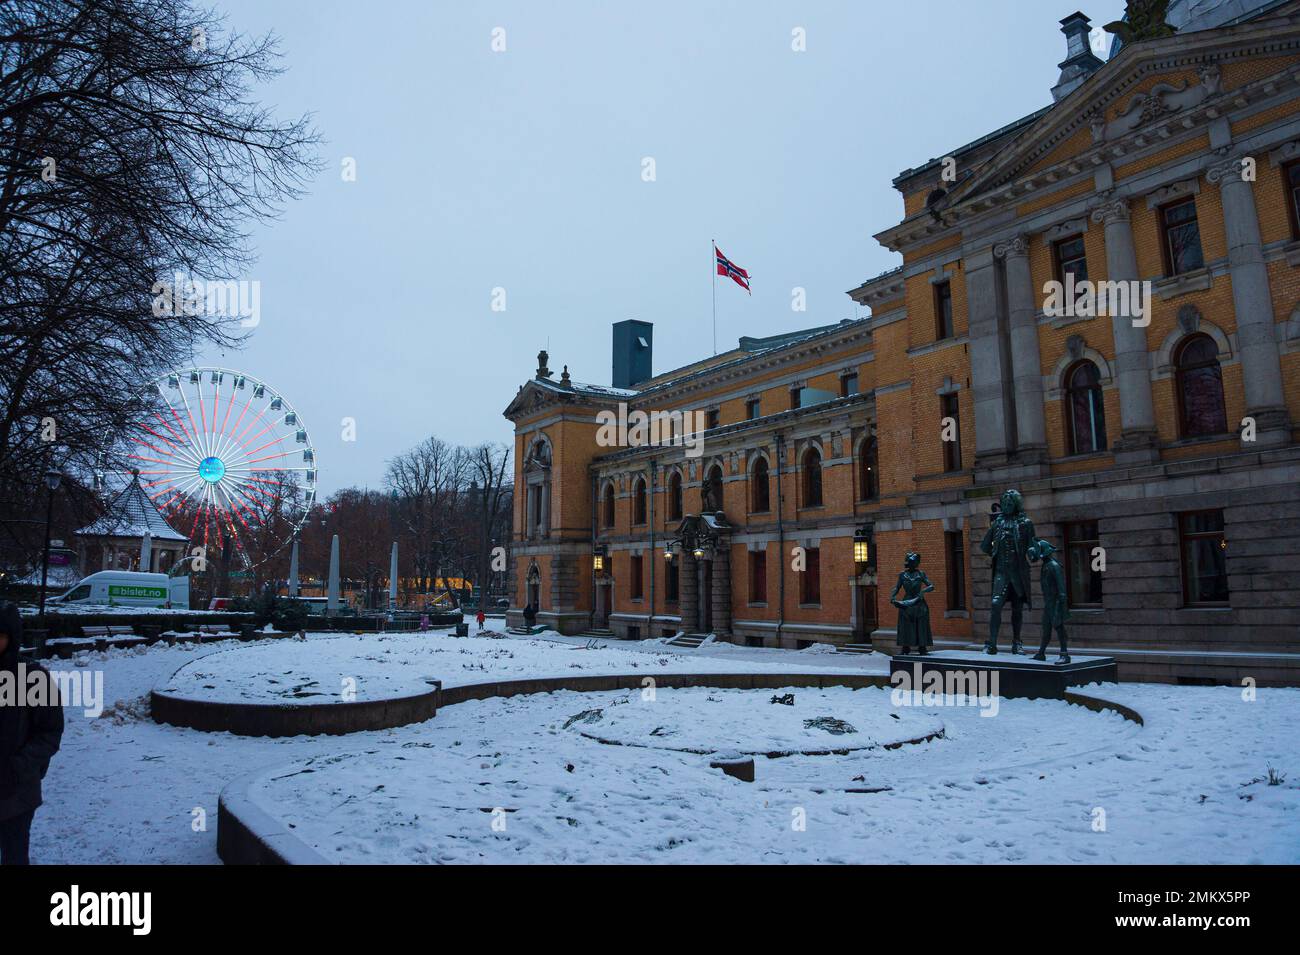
(1041, 781)
(709, 720)
(378, 666)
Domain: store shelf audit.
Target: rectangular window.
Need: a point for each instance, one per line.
(955, 559)
(711, 418)
(795, 393)
(758, 576)
(1204, 558)
(636, 586)
(950, 432)
(672, 581)
(942, 310)
(1182, 237)
(753, 408)
(849, 384)
(1291, 175)
(811, 578)
(1071, 260)
(1082, 582)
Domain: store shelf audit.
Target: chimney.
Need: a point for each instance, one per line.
(1080, 62)
(633, 348)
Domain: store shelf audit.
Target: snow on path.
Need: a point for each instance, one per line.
(1024, 786)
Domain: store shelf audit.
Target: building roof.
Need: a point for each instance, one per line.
(1188, 16)
(131, 514)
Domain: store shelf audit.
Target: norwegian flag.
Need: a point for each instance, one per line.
(731, 270)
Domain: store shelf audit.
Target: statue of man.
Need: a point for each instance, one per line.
(1008, 541)
(1056, 606)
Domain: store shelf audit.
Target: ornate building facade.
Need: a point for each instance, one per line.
(1098, 304)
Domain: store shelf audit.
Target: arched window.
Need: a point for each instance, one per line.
(638, 501)
(607, 506)
(869, 471)
(675, 496)
(1200, 388)
(759, 487)
(1085, 416)
(812, 478)
(713, 489)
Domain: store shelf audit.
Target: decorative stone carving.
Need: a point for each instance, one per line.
(1110, 209)
(1063, 230)
(1017, 245)
(1175, 190)
(1158, 103)
(1074, 346)
(1189, 319)
(1227, 171)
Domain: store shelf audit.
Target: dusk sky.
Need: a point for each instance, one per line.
(522, 170)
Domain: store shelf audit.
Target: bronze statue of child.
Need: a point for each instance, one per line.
(1056, 605)
(913, 613)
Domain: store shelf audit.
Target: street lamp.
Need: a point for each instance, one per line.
(862, 546)
(52, 481)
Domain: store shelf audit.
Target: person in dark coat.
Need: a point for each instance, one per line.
(29, 736)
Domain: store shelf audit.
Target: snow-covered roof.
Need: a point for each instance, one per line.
(131, 514)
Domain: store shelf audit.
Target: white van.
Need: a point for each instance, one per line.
(124, 588)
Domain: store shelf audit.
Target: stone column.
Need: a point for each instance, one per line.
(546, 509)
(1026, 362)
(1137, 441)
(992, 444)
(722, 588)
(1252, 300)
(688, 600)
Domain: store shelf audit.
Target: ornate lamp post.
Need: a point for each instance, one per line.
(52, 481)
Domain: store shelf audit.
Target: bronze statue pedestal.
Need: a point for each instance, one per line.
(1012, 676)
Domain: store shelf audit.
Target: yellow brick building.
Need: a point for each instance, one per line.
(1150, 424)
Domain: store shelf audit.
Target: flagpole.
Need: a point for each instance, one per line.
(714, 242)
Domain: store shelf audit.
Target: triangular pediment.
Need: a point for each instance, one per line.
(1145, 93)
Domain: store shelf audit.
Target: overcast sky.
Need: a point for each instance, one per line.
(523, 170)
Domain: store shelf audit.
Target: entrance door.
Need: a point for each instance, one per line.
(865, 611)
(602, 605)
(706, 596)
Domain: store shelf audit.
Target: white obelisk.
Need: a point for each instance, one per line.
(146, 553)
(332, 596)
(293, 570)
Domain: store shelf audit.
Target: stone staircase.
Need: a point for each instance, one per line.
(853, 648)
(524, 631)
(689, 641)
(598, 634)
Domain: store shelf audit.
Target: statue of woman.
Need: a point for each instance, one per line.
(913, 612)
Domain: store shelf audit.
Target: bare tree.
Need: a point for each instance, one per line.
(489, 494)
(427, 484)
(131, 150)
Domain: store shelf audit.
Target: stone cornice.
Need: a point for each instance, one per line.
(999, 186)
(759, 431)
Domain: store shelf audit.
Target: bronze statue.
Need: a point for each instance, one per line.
(1056, 606)
(1143, 20)
(1008, 541)
(913, 612)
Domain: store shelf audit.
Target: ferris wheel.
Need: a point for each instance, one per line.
(224, 457)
